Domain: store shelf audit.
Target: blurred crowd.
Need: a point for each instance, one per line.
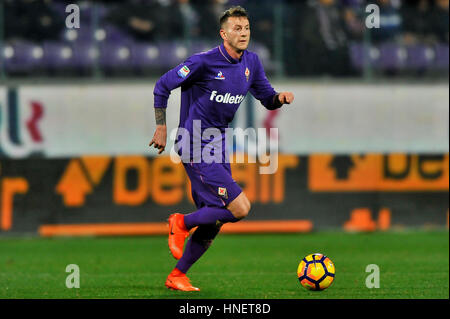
(323, 29)
(319, 30)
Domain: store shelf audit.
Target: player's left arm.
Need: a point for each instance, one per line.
(262, 90)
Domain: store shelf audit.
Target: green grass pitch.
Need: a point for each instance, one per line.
(413, 264)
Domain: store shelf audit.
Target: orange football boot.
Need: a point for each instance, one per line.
(179, 281)
(177, 235)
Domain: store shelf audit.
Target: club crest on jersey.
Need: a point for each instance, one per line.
(247, 73)
(223, 192)
(220, 76)
(183, 72)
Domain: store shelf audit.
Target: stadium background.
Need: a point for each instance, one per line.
(364, 147)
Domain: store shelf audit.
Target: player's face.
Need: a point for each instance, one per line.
(236, 31)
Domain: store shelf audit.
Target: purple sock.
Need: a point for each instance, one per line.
(196, 246)
(208, 215)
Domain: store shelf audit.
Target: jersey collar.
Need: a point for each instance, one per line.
(228, 57)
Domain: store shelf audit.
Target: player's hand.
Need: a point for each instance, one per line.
(159, 138)
(286, 97)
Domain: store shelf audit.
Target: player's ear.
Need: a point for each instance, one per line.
(223, 34)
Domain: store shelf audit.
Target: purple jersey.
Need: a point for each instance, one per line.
(213, 85)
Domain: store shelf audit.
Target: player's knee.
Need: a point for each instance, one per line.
(240, 206)
(243, 209)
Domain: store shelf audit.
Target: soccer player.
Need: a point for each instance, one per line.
(213, 84)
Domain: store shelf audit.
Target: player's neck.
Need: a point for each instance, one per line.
(232, 52)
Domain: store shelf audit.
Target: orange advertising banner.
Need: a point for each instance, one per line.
(378, 172)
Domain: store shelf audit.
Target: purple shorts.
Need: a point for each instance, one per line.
(212, 184)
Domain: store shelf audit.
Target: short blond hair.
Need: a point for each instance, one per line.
(236, 11)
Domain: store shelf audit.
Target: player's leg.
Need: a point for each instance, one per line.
(197, 244)
(207, 218)
(204, 235)
(223, 198)
(240, 206)
(233, 212)
(205, 192)
(179, 224)
(213, 189)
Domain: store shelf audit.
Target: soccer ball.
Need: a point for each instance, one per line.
(316, 272)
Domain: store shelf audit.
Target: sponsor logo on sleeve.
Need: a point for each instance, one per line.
(183, 72)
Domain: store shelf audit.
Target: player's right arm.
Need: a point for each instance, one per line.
(159, 138)
(184, 73)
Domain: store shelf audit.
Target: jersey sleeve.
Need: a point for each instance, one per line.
(184, 73)
(261, 88)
